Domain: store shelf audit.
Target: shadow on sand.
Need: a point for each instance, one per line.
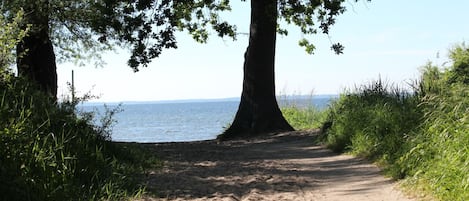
(276, 164)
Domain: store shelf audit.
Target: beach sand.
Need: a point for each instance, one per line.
(282, 166)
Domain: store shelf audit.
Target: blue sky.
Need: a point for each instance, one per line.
(391, 39)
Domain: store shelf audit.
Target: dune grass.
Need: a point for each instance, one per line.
(421, 136)
(373, 121)
(49, 152)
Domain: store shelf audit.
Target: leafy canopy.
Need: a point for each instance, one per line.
(10, 35)
(82, 29)
(311, 17)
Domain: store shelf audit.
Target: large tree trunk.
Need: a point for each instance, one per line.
(258, 111)
(35, 53)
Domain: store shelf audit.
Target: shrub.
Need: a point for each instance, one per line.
(440, 153)
(372, 121)
(459, 72)
(421, 136)
(50, 153)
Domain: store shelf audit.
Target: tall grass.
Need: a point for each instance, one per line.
(422, 136)
(50, 153)
(373, 121)
(302, 115)
(439, 153)
(47, 151)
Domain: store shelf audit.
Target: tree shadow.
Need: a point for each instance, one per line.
(279, 163)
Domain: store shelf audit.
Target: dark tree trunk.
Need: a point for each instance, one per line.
(35, 54)
(258, 111)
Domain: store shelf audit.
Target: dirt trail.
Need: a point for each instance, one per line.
(286, 166)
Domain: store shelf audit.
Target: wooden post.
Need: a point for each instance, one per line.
(73, 87)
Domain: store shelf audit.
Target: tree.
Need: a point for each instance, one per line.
(85, 27)
(79, 30)
(258, 110)
(48, 21)
(9, 37)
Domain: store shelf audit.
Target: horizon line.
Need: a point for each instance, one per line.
(189, 100)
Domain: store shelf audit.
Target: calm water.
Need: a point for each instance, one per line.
(175, 122)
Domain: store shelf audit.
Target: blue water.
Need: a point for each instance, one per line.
(176, 121)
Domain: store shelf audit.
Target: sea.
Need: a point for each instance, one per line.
(180, 121)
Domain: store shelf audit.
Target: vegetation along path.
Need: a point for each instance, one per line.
(285, 166)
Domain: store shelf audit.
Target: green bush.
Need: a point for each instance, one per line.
(440, 151)
(50, 153)
(422, 136)
(459, 72)
(373, 121)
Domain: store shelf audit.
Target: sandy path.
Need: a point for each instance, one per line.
(287, 166)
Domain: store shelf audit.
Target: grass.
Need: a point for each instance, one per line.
(373, 121)
(51, 153)
(304, 115)
(420, 136)
(439, 153)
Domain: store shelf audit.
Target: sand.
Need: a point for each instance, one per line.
(283, 166)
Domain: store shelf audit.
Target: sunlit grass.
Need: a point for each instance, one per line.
(301, 112)
(304, 118)
(421, 136)
(373, 121)
(48, 152)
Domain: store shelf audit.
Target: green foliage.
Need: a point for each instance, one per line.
(440, 153)
(311, 17)
(50, 153)
(67, 22)
(10, 35)
(307, 45)
(137, 22)
(422, 136)
(303, 117)
(459, 73)
(432, 81)
(149, 26)
(82, 29)
(373, 121)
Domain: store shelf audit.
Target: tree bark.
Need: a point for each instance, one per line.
(35, 54)
(258, 111)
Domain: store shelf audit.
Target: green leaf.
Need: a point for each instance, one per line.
(309, 48)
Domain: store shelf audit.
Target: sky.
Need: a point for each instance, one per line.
(387, 39)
